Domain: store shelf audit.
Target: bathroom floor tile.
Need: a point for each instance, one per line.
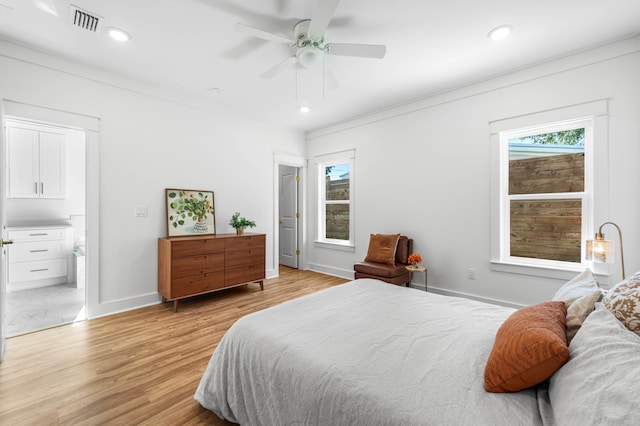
(35, 309)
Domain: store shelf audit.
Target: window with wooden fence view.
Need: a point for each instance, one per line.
(546, 195)
(337, 202)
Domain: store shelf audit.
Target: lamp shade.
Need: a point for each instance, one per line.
(600, 251)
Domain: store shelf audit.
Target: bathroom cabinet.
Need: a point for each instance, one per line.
(39, 256)
(36, 159)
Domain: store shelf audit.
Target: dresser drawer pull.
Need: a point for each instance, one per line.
(38, 251)
(39, 270)
(38, 235)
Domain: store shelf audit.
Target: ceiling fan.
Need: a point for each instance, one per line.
(309, 40)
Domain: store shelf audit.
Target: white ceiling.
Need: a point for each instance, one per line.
(190, 46)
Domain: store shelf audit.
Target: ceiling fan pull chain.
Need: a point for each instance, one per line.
(323, 78)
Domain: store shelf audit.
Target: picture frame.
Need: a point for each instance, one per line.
(189, 212)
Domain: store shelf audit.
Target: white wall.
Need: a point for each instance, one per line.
(149, 142)
(424, 170)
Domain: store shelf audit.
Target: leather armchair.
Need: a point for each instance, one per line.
(397, 274)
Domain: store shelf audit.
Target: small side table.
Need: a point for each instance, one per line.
(413, 269)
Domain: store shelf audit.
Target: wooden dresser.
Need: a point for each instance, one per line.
(201, 264)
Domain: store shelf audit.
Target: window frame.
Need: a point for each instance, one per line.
(324, 161)
(598, 111)
(506, 198)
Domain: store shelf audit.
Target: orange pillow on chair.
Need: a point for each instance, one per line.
(530, 346)
(382, 248)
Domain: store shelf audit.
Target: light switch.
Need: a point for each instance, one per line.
(141, 211)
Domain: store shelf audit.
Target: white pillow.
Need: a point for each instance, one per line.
(579, 295)
(600, 383)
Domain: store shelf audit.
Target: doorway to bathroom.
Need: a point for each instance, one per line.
(45, 211)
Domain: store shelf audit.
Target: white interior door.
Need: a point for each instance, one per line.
(3, 227)
(288, 188)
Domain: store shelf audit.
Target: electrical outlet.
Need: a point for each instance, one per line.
(141, 211)
(471, 274)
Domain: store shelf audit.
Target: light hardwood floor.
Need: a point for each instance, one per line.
(135, 368)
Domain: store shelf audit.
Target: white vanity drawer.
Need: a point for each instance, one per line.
(39, 250)
(37, 270)
(25, 235)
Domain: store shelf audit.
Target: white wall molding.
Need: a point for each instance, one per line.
(531, 72)
(330, 270)
(196, 102)
(122, 305)
(498, 302)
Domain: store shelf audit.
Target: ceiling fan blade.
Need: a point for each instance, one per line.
(278, 68)
(261, 34)
(362, 50)
(282, 5)
(320, 18)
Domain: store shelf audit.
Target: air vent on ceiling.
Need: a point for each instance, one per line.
(85, 20)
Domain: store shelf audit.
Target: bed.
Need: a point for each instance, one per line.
(371, 353)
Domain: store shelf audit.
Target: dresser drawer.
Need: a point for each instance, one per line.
(244, 257)
(195, 247)
(247, 242)
(37, 270)
(196, 284)
(39, 250)
(245, 274)
(26, 235)
(193, 265)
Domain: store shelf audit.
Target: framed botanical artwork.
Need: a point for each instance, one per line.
(190, 212)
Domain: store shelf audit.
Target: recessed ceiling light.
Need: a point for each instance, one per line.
(47, 6)
(305, 109)
(118, 34)
(500, 33)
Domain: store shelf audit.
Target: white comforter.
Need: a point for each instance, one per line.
(363, 353)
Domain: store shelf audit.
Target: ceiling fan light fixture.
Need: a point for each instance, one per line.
(309, 56)
(500, 32)
(118, 34)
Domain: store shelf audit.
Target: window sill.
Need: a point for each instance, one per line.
(537, 270)
(335, 246)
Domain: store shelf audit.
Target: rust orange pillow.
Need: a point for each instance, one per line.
(530, 346)
(382, 248)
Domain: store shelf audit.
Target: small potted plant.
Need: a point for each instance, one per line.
(239, 223)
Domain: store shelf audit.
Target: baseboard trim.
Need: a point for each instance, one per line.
(329, 270)
(491, 301)
(272, 273)
(104, 309)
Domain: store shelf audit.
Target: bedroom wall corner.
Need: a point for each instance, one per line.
(433, 182)
(149, 142)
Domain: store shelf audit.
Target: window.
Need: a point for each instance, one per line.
(545, 194)
(335, 204)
